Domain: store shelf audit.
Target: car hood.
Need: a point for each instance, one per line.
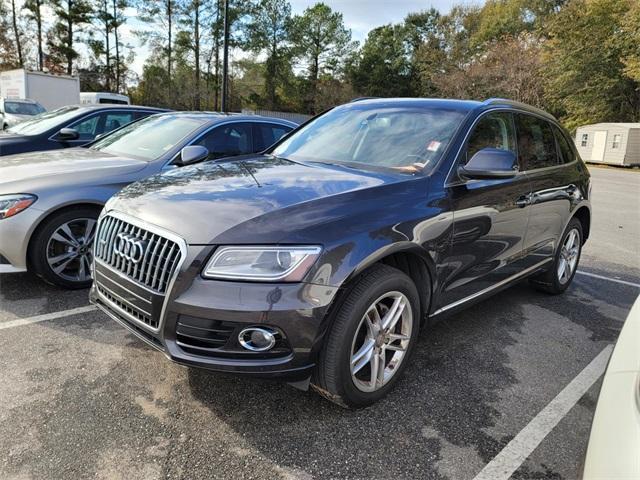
(72, 162)
(203, 201)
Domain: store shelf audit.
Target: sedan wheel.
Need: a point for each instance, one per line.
(61, 250)
(69, 250)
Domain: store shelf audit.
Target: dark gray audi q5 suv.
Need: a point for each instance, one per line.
(320, 260)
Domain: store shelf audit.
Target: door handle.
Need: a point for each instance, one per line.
(524, 201)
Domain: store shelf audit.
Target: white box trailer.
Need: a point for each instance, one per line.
(51, 91)
(609, 143)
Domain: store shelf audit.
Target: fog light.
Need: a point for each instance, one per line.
(257, 339)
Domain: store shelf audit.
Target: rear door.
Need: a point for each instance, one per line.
(489, 218)
(552, 184)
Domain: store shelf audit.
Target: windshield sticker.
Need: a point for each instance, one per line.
(433, 146)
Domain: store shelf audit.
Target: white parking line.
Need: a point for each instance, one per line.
(601, 277)
(525, 442)
(47, 316)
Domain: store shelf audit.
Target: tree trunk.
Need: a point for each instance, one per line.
(115, 34)
(107, 22)
(39, 28)
(196, 51)
(170, 18)
(216, 67)
(16, 33)
(69, 37)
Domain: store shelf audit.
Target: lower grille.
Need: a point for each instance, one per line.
(202, 333)
(219, 339)
(137, 313)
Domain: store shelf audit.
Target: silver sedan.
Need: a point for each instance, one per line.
(49, 201)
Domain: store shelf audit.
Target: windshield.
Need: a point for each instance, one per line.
(149, 138)
(23, 108)
(389, 136)
(45, 121)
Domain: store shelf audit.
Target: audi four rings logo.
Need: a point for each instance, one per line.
(129, 247)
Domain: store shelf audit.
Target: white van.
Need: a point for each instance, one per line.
(103, 97)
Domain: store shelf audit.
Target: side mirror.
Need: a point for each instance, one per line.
(192, 154)
(66, 134)
(490, 163)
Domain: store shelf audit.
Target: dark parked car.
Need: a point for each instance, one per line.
(50, 201)
(322, 258)
(71, 126)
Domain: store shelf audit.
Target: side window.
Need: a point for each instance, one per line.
(266, 134)
(87, 128)
(116, 120)
(584, 139)
(617, 139)
(536, 143)
(494, 130)
(566, 152)
(228, 140)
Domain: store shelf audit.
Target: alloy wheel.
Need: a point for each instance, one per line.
(381, 341)
(569, 256)
(69, 249)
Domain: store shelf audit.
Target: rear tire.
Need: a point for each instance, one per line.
(565, 263)
(61, 249)
(375, 330)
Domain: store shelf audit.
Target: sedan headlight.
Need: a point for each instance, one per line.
(11, 205)
(266, 264)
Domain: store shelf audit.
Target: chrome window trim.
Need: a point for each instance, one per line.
(484, 291)
(279, 121)
(182, 244)
(449, 182)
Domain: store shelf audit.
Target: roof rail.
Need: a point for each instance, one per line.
(359, 99)
(514, 103)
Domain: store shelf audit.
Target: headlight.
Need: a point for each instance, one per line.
(267, 264)
(11, 205)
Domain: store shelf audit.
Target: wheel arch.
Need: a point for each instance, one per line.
(412, 260)
(583, 214)
(58, 209)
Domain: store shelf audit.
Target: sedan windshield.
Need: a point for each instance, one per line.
(407, 139)
(23, 108)
(150, 138)
(45, 121)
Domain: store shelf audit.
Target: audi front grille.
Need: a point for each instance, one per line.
(145, 257)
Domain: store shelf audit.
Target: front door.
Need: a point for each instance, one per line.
(599, 145)
(489, 219)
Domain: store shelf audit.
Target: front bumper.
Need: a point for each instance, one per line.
(15, 233)
(297, 311)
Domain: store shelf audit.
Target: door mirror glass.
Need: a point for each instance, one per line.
(192, 154)
(66, 134)
(490, 163)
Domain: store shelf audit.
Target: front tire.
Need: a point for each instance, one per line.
(565, 263)
(61, 250)
(371, 340)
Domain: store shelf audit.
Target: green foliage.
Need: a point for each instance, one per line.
(71, 17)
(586, 78)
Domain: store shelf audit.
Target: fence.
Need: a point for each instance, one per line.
(294, 117)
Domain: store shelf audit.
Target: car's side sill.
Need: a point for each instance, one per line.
(502, 283)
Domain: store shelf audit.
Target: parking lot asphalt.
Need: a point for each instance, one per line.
(81, 398)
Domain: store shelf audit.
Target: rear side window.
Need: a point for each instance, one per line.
(494, 130)
(116, 120)
(266, 134)
(566, 152)
(536, 142)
